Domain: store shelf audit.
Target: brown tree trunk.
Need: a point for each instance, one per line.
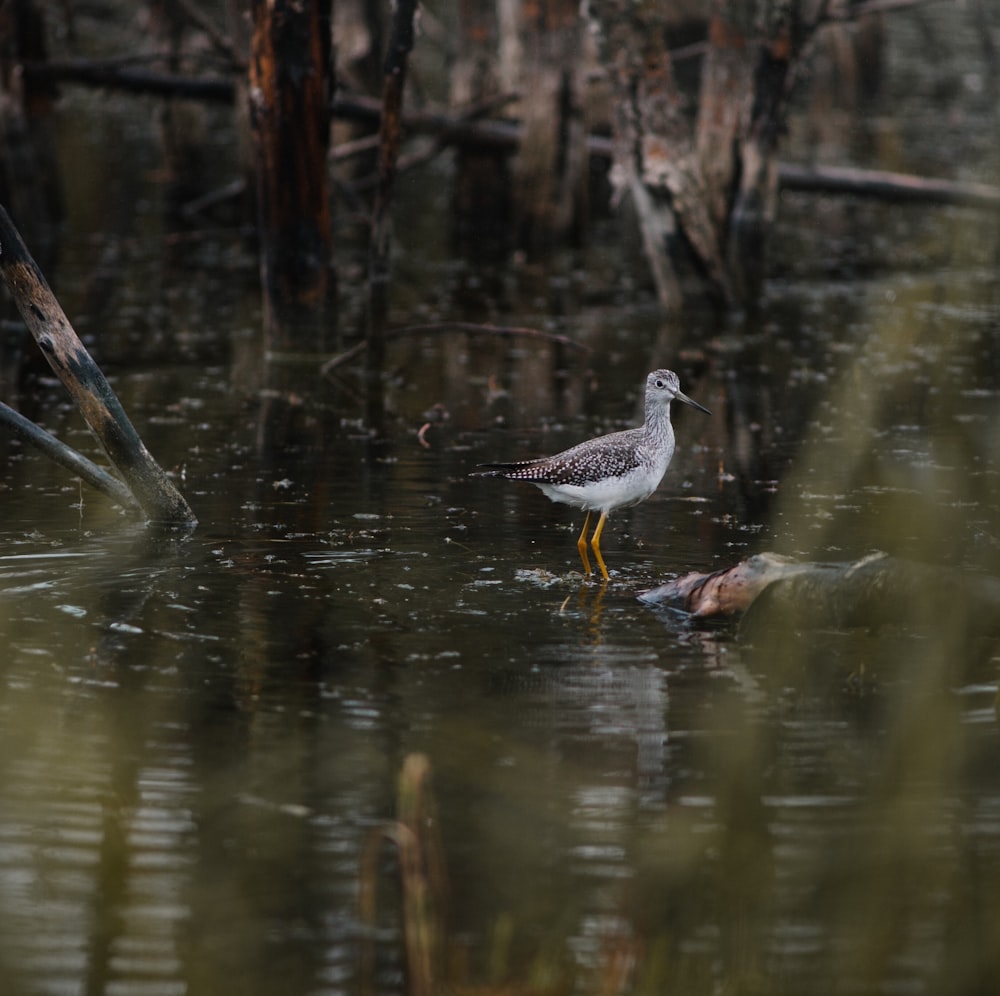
(290, 83)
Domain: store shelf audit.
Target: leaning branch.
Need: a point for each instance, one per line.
(66, 456)
(75, 367)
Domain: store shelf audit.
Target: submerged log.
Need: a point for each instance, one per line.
(875, 591)
(68, 357)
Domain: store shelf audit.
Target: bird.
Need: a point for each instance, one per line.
(607, 472)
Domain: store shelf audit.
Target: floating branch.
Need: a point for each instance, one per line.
(75, 367)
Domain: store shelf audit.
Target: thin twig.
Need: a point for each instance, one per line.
(219, 40)
(470, 328)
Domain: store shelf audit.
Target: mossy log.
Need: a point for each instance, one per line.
(875, 591)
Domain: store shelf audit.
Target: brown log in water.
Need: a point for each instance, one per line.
(875, 591)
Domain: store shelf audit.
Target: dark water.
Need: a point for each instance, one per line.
(200, 734)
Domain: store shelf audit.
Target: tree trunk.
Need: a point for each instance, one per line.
(550, 168)
(290, 82)
(656, 161)
(703, 190)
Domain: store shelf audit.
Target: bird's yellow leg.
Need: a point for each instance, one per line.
(596, 543)
(581, 545)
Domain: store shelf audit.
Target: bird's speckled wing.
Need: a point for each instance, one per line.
(613, 455)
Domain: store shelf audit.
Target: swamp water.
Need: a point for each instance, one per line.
(200, 734)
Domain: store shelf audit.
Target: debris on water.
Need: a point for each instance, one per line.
(538, 576)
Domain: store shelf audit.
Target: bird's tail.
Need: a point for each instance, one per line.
(492, 469)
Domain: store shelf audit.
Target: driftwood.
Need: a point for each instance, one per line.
(68, 357)
(875, 591)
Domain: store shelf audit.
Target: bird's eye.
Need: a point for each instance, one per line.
(661, 383)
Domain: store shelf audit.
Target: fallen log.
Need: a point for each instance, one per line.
(111, 75)
(872, 592)
(75, 367)
(460, 130)
(886, 186)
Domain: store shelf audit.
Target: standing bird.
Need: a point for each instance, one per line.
(608, 472)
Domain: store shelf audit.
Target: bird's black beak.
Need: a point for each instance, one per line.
(691, 402)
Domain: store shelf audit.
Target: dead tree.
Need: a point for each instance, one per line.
(703, 185)
(290, 82)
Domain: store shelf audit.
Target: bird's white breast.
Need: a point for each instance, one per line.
(609, 494)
